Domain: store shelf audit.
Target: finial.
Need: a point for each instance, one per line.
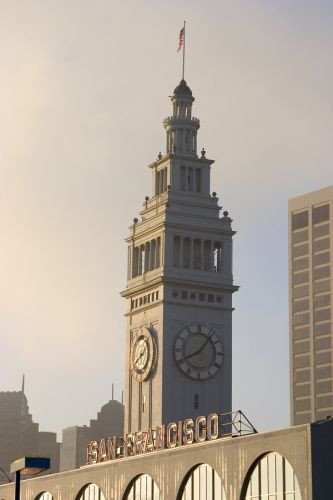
(135, 220)
(214, 194)
(23, 380)
(112, 391)
(203, 153)
(159, 156)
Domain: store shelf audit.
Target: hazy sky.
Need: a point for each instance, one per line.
(84, 88)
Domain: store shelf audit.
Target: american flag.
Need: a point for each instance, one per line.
(181, 39)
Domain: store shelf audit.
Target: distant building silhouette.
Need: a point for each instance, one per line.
(20, 435)
(110, 421)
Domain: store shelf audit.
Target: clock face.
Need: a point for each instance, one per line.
(143, 354)
(198, 352)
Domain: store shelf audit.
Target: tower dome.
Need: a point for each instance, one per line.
(183, 89)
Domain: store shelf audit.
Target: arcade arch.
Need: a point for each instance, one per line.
(271, 478)
(90, 492)
(202, 483)
(143, 487)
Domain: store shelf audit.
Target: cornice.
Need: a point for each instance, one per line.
(172, 280)
(181, 157)
(175, 303)
(139, 287)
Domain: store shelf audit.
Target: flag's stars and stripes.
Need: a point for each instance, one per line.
(181, 39)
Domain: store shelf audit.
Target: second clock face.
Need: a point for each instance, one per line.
(142, 355)
(198, 352)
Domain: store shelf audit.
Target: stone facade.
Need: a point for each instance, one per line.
(307, 448)
(179, 279)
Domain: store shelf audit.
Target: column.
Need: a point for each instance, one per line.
(141, 258)
(168, 141)
(219, 259)
(161, 182)
(181, 252)
(191, 253)
(165, 177)
(158, 252)
(157, 182)
(211, 256)
(129, 263)
(202, 254)
(147, 257)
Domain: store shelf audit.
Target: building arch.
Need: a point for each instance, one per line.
(90, 491)
(142, 487)
(204, 479)
(271, 475)
(45, 495)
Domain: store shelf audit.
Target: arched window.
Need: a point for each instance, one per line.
(143, 488)
(90, 492)
(203, 483)
(44, 496)
(272, 477)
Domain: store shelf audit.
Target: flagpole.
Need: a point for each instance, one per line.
(184, 52)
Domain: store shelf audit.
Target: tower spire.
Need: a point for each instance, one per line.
(23, 380)
(181, 128)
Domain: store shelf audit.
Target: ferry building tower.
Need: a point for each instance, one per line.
(179, 286)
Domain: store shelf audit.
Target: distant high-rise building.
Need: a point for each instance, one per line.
(19, 434)
(110, 421)
(310, 306)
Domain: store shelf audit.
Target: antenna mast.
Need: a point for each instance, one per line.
(184, 52)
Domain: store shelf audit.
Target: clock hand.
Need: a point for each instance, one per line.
(199, 350)
(193, 354)
(140, 356)
(205, 343)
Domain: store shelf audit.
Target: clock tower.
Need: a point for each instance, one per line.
(179, 286)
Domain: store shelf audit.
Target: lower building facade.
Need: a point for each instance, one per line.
(288, 464)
